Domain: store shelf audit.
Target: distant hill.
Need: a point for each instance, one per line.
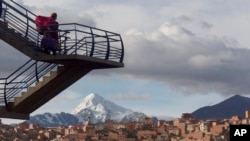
(53, 120)
(235, 105)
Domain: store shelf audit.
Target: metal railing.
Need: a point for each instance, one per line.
(21, 79)
(89, 41)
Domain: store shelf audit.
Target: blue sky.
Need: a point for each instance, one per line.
(179, 55)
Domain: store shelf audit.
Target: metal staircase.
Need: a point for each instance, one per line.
(44, 76)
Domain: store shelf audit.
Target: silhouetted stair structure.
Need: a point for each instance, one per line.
(44, 76)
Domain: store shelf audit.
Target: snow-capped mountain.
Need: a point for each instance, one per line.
(99, 109)
(51, 120)
(92, 106)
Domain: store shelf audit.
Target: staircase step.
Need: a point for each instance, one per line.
(53, 74)
(31, 90)
(38, 85)
(50, 88)
(47, 79)
(25, 94)
(18, 99)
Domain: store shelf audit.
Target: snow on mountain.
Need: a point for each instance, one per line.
(134, 116)
(99, 109)
(97, 103)
(92, 106)
(51, 120)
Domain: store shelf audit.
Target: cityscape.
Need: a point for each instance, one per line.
(185, 128)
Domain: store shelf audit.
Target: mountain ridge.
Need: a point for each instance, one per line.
(234, 105)
(99, 109)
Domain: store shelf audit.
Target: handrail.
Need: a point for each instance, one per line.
(17, 8)
(24, 77)
(102, 44)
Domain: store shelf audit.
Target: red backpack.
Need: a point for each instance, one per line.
(42, 23)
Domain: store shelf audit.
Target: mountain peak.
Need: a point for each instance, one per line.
(88, 102)
(237, 96)
(234, 101)
(93, 97)
(99, 109)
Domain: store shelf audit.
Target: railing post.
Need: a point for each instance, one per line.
(27, 27)
(65, 44)
(75, 40)
(93, 43)
(1, 8)
(36, 70)
(5, 95)
(4, 11)
(122, 50)
(108, 46)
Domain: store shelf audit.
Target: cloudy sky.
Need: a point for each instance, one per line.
(179, 55)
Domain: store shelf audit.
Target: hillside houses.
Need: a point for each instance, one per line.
(185, 128)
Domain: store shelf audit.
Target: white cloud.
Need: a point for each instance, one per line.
(129, 97)
(192, 64)
(200, 61)
(186, 45)
(174, 31)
